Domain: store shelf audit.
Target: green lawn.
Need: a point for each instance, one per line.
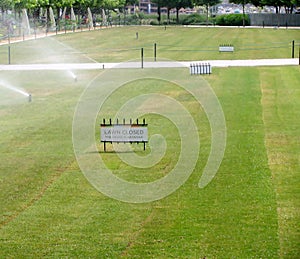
(175, 43)
(249, 210)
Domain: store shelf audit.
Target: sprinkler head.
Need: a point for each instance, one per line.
(29, 98)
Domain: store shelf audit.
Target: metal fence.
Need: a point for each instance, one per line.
(272, 19)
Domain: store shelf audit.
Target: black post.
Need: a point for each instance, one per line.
(293, 49)
(142, 57)
(9, 55)
(154, 51)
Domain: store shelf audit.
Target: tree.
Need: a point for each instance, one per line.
(276, 3)
(5, 5)
(160, 4)
(170, 4)
(127, 3)
(206, 4)
(181, 4)
(243, 3)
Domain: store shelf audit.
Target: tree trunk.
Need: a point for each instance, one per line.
(58, 18)
(177, 15)
(243, 14)
(207, 9)
(159, 14)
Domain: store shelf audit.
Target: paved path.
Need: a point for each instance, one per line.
(158, 64)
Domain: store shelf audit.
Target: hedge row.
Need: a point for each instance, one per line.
(198, 19)
(232, 20)
(191, 19)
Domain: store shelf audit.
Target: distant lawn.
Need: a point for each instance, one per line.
(175, 43)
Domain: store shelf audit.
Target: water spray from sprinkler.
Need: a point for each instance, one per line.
(15, 89)
(73, 76)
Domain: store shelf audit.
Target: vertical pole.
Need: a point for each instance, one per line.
(293, 49)
(154, 51)
(142, 57)
(299, 55)
(9, 55)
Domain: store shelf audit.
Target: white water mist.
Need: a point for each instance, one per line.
(15, 89)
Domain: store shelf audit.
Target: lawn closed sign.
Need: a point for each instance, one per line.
(124, 132)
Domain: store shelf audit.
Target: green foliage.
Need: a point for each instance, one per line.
(154, 22)
(134, 19)
(232, 20)
(193, 19)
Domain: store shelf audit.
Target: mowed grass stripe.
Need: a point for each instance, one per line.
(281, 108)
(247, 176)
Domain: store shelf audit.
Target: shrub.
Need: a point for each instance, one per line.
(154, 22)
(193, 19)
(232, 20)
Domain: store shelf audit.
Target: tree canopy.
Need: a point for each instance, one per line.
(118, 4)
